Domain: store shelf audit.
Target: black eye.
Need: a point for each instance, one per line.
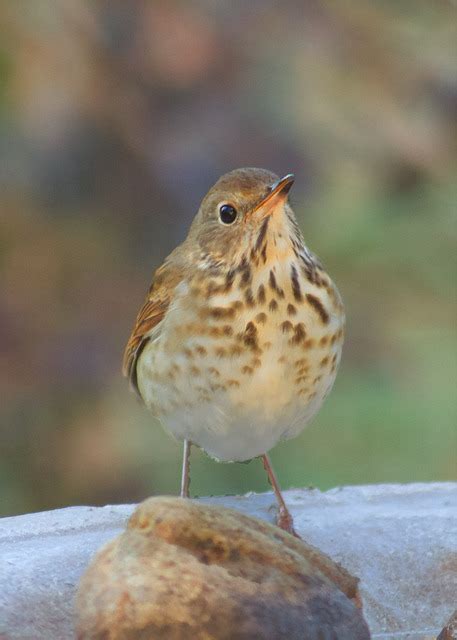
(227, 213)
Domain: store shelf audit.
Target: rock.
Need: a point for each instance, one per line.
(400, 540)
(185, 570)
(450, 630)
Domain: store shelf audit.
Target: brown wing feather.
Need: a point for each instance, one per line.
(160, 294)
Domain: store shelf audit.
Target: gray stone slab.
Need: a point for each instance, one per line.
(401, 540)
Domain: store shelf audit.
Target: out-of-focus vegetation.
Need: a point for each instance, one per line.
(115, 118)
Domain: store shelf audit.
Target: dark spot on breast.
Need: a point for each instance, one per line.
(249, 298)
(309, 270)
(291, 310)
(264, 253)
(250, 342)
(261, 294)
(250, 336)
(251, 328)
(245, 270)
(235, 350)
(262, 233)
(318, 307)
(286, 326)
(261, 318)
(272, 281)
(229, 280)
(274, 285)
(295, 284)
(212, 288)
(299, 333)
(222, 312)
(201, 351)
(246, 277)
(273, 305)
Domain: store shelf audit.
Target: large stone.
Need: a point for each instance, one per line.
(400, 540)
(184, 570)
(450, 630)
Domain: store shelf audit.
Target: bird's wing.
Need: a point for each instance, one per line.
(151, 314)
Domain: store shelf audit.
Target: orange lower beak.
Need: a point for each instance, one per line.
(276, 197)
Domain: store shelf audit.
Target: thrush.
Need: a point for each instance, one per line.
(240, 336)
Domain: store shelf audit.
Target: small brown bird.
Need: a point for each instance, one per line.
(240, 337)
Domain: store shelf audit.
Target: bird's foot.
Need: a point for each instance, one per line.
(286, 522)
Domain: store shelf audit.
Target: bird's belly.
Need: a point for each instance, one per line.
(236, 389)
(242, 423)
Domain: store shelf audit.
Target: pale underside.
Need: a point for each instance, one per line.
(206, 382)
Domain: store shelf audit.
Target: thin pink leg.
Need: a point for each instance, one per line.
(185, 477)
(284, 520)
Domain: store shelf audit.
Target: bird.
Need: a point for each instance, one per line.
(239, 339)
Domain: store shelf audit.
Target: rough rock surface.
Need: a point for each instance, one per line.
(184, 570)
(450, 630)
(400, 540)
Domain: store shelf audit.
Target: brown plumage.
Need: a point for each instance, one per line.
(165, 279)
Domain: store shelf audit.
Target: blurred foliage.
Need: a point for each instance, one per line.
(115, 118)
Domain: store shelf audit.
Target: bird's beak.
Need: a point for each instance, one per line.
(276, 197)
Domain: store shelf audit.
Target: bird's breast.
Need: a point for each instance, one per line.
(244, 359)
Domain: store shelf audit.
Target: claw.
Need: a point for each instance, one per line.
(286, 523)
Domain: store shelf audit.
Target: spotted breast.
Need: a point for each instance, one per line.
(246, 355)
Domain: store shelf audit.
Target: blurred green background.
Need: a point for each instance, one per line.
(115, 118)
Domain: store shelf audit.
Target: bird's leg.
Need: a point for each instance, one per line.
(185, 477)
(284, 520)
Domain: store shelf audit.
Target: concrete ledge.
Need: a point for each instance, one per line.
(401, 540)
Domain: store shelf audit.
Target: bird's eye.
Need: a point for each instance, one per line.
(227, 214)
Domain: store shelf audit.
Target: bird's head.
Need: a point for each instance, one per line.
(240, 212)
